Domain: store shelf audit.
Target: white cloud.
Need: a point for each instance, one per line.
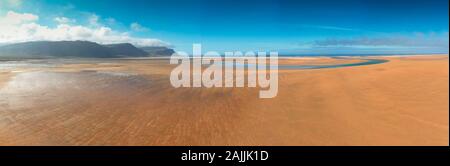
(138, 27)
(393, 43)
(111, 21)
(327, 27)
(13, 18)
(93, 20)
(63, 20)
(11, 3)
(22, 27)
(418, 39)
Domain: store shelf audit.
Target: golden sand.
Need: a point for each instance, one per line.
(4, 77)
(401, 102)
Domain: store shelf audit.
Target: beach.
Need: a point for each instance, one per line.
(403, 101)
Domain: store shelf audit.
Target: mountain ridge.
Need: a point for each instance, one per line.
(78, 49)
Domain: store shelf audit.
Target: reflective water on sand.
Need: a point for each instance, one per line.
(363, 63)
(300, 67)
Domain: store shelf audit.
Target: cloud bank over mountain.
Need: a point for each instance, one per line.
(23, 27)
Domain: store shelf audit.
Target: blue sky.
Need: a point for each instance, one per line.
(287, 26)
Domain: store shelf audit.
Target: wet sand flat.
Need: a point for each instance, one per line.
(4, 77)
(131, 102)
